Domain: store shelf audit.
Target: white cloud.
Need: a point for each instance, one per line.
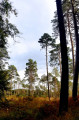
(23, 47)
(34, 19)
(21, 73)
(32, 14)
(42, 69)
(51, 5)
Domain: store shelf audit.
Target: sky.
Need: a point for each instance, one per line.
(33, 20)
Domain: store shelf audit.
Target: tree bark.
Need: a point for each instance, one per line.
(47, 73)
(64, 77)
(60, 63)
(71, 40)
(29, 91)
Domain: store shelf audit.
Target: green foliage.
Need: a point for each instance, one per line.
(31, 70)
(31, 74)
(43, 78)
(55, 54)
(6, 29)
(4, 82)
(38, 92)
(45, 40)
(55, 26)
(13, 76)
(13, 71)
(55, 72)
(56, 87)
(54, 84)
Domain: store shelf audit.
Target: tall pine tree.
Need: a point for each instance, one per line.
(64, 57)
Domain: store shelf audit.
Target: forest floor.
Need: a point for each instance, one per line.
(29, 108)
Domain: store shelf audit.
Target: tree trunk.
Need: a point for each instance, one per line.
(47, 73)
(18, 88)
(14, 88)
(60, 63)
(11, 87)
(29, 90)
(75, 81)
(71, 40)
(64, 77)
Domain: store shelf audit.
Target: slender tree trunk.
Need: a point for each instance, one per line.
(75, 81)
(60, 63)
(14, 87)
(29, 91)
(47, 73)
(18, 89)
(64, 77)
(11, 87)
(71, 40)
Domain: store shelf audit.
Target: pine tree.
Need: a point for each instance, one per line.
(31, 74)
(45, 41)
(64, 76)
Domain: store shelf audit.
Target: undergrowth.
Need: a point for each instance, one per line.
(30, 108)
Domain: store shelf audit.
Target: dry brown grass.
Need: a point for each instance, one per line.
(39, 108)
